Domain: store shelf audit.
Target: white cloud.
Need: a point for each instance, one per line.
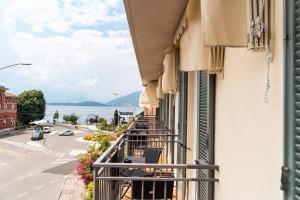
(86, 62)
(88, 83)
(62, 16)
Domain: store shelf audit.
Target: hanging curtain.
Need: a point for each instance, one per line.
(148, 98)
(224, 22)
(260, 25)
(144, 101)
(159, 91)
(169, 75)
(193, 55)
(216, 63)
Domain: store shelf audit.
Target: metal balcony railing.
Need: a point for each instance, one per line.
(140, 165)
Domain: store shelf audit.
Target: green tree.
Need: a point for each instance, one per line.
(102, 120)
(116, 118)
(73, 119)
(55, 116)
(31, 106)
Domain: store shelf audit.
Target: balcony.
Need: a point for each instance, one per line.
(141, 164)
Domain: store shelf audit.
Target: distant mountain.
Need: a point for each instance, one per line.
(128, 100)
(84, 103)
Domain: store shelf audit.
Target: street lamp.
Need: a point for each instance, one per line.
(23, 64)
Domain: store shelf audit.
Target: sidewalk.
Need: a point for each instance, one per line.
(12, 132)
(73, 189)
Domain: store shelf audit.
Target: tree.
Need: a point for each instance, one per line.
(102, 120)
(55, 116)
(73, 119)
(116, 118)
(31, 106)
(92, 119)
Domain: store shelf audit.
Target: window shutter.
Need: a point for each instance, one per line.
(291, 180)
(181, 153)
(205, 130)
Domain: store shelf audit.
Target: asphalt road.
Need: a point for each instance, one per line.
(36, 170)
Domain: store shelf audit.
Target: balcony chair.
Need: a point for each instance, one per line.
(159, 192)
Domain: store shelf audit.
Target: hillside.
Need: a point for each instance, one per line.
(128, 100)
(84, 103)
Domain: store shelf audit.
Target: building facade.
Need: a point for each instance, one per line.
(227, 117)
(227, 79)
(8, 109)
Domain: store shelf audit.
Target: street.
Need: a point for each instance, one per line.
(36, 170)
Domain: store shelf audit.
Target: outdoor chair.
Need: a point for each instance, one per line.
(163, 189)
(151, 155)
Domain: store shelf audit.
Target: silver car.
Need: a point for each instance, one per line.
(66, 133)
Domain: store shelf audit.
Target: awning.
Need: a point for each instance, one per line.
(152, 25)
(42, 122)
(159, 91)
(224, 22)
(193, 55)
(169, 75)
(148, 97)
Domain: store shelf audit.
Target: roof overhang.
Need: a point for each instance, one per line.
(152, 24)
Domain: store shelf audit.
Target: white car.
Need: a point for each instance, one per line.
(46, 130)
(66, 133)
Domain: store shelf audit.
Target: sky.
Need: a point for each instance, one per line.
(79, 49)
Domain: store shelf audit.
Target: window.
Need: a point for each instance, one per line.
(4, 122)
(205, 133)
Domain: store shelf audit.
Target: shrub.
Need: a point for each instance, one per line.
(85, 164)
(104, 137)
(120, 129)
(89, 191)
(103, 125)
(73, 119)
(99, 136)
(88, 137)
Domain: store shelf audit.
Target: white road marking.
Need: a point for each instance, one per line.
(57, 154)
(11, 153)
(62, 155)
(54, 181)
(77, 152)
(49, 151)
(35, 144)
(40, 187)
(26, 176)
(22, 195)
(32, 146)
(63, 161)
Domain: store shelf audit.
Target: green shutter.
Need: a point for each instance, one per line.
(181, 153)
(292, 101)
(205, 141)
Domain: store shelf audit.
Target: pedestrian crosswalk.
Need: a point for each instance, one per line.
(11, 153)
(34, 147)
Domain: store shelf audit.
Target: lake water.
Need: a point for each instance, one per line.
(84, 111)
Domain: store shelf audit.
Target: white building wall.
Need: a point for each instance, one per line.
(249, 132)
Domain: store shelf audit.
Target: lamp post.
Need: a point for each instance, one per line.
(23, 64)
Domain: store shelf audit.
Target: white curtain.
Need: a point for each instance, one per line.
(193, 54)
(169, 75)
(148, 98)
(224, 22)
(159, 91)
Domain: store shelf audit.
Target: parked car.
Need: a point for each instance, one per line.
(37, 135)
(46, 129)
(66, 133)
